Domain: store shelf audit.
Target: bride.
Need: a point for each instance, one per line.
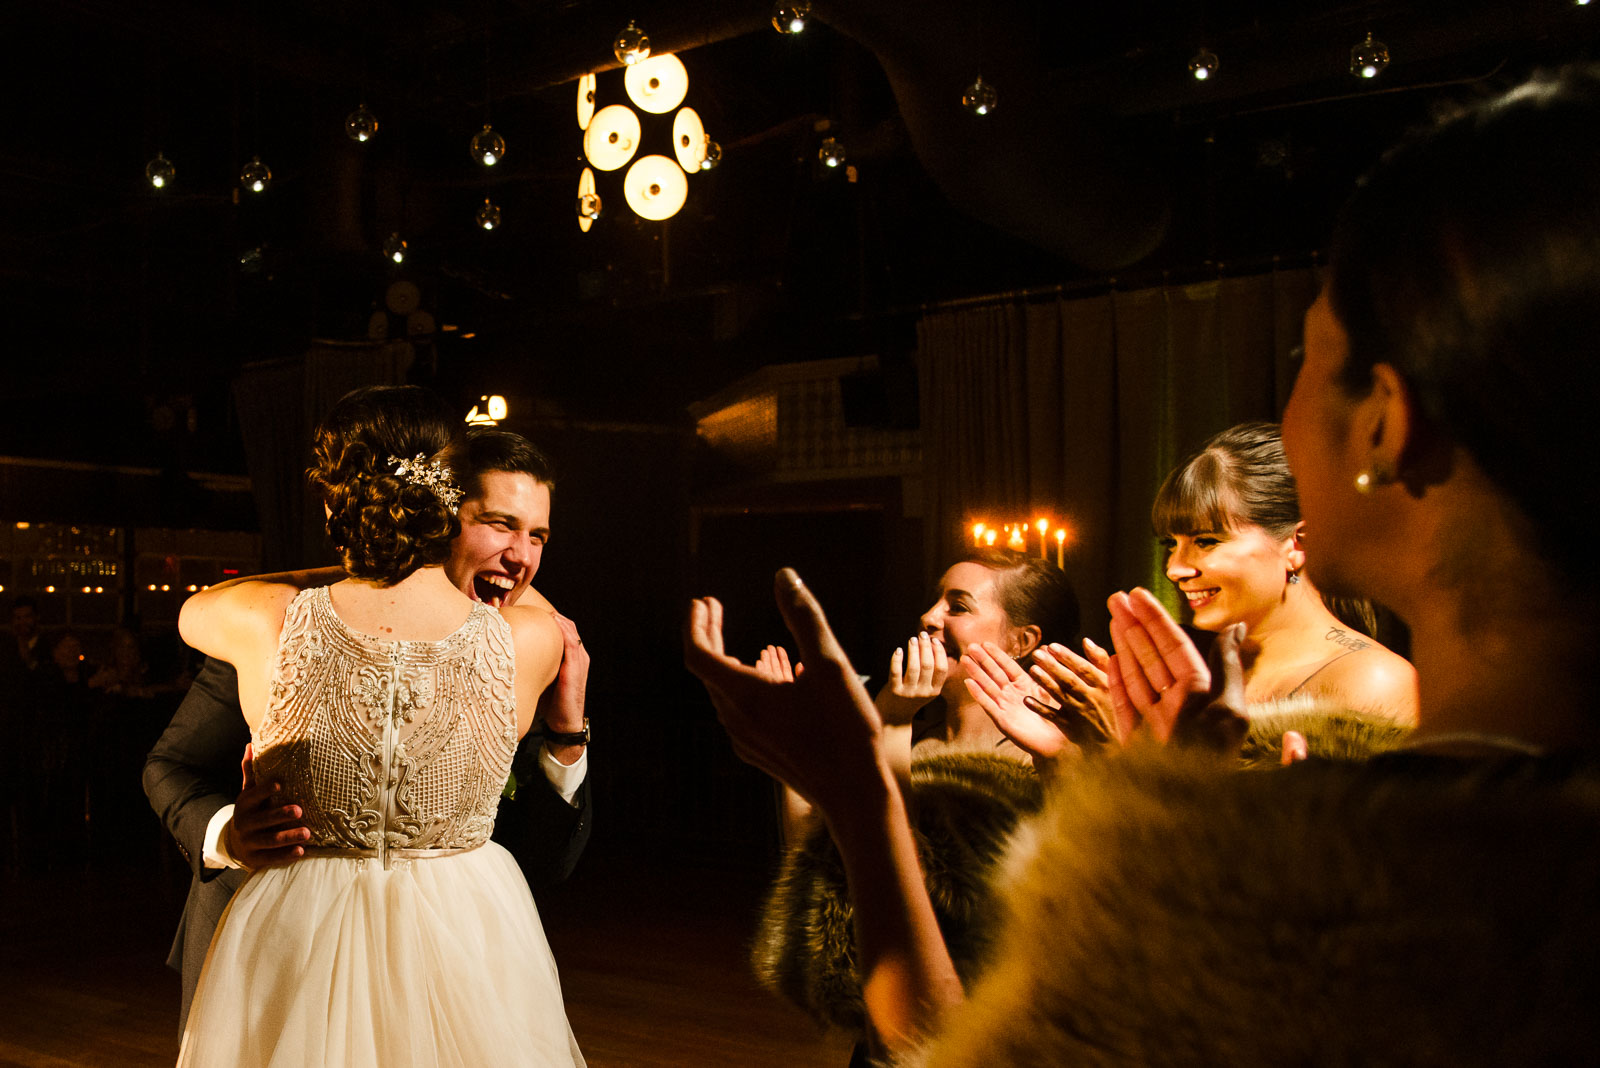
(386, 708)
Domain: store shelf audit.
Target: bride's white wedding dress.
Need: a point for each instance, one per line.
(405, 936)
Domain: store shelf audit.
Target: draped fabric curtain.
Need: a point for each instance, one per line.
(1078, 408)
(279, 405)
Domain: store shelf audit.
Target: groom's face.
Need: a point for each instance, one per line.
(504, 526)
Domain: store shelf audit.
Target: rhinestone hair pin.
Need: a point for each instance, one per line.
(436, 475)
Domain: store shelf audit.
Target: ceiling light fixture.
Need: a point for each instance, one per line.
(631, 45)
(588, 201)
(1368, 58)
(612, 137)
(655, 188)
(689, 139)
(586, 90)
(487, 147)
(658, 84)
(255, 175)
(395, 248)
(980, 97)
(831, 153)
(789, 16)
(1204, 65)
(361, 125)
(160, 172)
(489, 215)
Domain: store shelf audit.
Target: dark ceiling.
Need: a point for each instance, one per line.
(128, 309)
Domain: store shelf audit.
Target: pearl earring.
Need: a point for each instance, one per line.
(1372, 477)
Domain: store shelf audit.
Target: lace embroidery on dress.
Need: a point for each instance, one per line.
(389, 744)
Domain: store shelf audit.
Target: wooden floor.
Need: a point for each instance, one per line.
(651, 958)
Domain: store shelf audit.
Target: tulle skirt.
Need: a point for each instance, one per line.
(335, 961)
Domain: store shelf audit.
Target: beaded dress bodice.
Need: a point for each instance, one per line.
(390, 747)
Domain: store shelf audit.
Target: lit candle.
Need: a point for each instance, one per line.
(977, 533)
(989, 536)
(1043, 525)
(1016, 540)
(1061, 540)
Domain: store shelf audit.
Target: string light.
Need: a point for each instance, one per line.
(631, 45)
(1204, 65)
(1368, 58)
(255, 175)
(488, 215)
(980, 97)
(831, 153)
(159, 172)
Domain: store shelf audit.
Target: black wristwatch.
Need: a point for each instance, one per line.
(567, 737)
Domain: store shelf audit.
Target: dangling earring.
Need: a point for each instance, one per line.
(1294, 578)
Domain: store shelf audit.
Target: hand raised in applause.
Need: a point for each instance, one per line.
(1159, 680)
(916, 675)
(1066, 699)
(264, 831)
(818, 733)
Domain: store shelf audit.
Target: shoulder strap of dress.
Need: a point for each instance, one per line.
(1318, 670)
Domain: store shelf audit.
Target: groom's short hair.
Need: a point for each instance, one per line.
(492, 449)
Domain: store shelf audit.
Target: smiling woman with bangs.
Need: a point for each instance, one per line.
(1229, 518)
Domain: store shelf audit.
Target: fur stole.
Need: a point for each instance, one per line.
(1412, 910)
(1331, 731)
(963, 808)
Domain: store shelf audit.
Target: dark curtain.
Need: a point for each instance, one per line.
(279, 404)
(1078, 408)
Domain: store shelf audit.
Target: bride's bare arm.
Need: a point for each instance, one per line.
(821, 735)
(537, 639)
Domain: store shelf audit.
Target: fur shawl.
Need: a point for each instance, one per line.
(1419, 911)
(963, 808)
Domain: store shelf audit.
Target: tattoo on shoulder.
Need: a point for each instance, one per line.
(1340, 636)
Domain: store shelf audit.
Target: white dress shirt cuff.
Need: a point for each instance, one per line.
(216, 851)
(566, 778)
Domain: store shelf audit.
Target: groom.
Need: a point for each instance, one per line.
(191, 776)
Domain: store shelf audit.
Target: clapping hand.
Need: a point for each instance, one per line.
(818, 733)
(264, 832)
(1159, 680)
(916, 675)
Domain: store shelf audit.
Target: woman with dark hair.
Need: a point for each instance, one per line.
(384, 713)
(1229, 519)
(1432, 906)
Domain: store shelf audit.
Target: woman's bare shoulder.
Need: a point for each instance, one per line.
(1372, 679)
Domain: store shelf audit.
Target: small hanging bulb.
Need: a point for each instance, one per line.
(395, 248)
(487, 147)
(789, 16)
(980, 97)
(361, 125)
(589, 206)
(1204, 65)
(713, 155)
(831, 153)
(631, 45)
(489, 215)
(255, 175)
(159, 172)
(1368, 58)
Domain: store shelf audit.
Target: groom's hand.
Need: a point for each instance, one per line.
(264, 832)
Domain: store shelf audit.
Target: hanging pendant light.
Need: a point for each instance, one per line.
(831, 153)
(395, 248)
(361, 125)
(1368, 58)
(488, 215)
(655, 188)
(1204, 65)
(612, 137)
(255, 175)
(658, 84)
(789, 16)
(487, 147)
(713, 155)
(689, 139)
(980, 97)
(631, 45)
(586, 91)
(159, 172)
(588, 200)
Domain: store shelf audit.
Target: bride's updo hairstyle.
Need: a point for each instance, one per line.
(383, 525)
(1469, 261)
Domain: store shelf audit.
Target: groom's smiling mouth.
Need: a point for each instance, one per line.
(492, 588)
